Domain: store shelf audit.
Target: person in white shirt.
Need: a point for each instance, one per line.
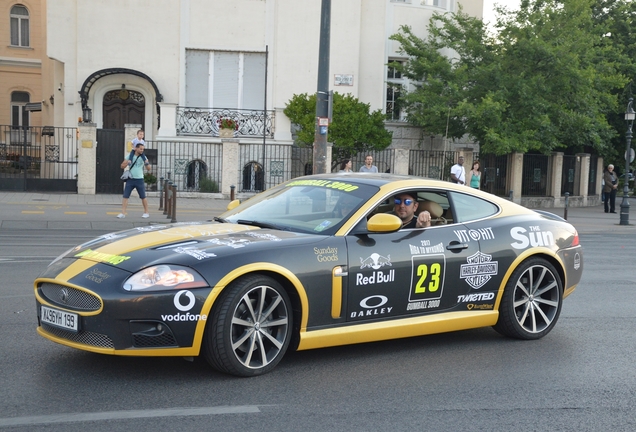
(457, 172)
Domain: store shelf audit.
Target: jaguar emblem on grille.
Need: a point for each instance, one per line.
(64, 295)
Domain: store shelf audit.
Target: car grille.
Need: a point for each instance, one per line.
(147, 341)
(70, 298)
(83, 337)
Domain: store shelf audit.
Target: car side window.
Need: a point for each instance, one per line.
(468, 207)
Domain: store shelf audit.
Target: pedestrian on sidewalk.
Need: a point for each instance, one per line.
(368, 165)
(611, 185)
(475, 176)
(136, 162)
(457, 172)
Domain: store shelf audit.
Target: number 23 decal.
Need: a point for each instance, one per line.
(427, 280)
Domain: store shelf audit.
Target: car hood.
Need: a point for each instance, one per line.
(188, 244)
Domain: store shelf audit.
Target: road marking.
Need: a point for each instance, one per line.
(112, 213)
(75, 213)
(32, 212)
(123, 415)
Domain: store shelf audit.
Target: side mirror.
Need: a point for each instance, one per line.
(233, 204)
(383, 222)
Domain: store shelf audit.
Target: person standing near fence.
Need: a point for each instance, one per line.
(475, 176)
(611, 185)
(136, 161)
(457, 172)
(345, 166)
(368, 165)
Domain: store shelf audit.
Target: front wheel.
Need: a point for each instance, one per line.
(250, 329)
(531, 302)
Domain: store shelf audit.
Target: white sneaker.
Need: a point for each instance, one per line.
(145, 215)
(121, 215)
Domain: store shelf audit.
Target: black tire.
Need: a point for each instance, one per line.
(250, 327)
(531, 302)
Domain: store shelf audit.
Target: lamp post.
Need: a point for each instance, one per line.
(630, 115)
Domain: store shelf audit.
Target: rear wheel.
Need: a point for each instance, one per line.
(532, 300)
(250, 329)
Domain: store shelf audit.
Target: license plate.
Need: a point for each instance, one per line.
(61, 319)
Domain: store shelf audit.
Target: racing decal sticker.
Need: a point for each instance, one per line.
(184, 305)
(427, 281)
(372, 306)
(231, 242)
(326, 254)
(533, 236)
(479, 270)
(426, 248)
(465, 236)
(102, 257)
(97, 276)
(195, 253)
(346, 187)
(472, 299)
(263, 236)
(577, 261)
(375, 261)
(150, 228)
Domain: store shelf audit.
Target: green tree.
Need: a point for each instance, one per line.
(545, 81)
(354, 127)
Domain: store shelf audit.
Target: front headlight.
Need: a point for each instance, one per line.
(164, 277)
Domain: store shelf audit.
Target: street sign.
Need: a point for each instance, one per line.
(631, 155)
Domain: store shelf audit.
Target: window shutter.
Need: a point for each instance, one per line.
(253, 81)
(225, 85)
(197, 78)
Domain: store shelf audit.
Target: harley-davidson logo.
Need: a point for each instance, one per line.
(479, 270)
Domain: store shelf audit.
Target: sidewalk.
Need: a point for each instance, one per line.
(31, 210)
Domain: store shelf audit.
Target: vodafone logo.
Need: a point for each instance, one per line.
(178, 302)
(184, 300)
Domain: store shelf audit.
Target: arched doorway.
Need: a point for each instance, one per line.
(253, 177)
(122, 107)
(197, 170)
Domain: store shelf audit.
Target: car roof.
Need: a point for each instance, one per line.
(375, 179)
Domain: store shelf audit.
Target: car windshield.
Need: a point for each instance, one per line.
(308, 206)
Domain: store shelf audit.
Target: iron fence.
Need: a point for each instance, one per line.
(568, 175)
(206, 121)
(591, 188)
(383, 159)
(535, 175)
(494, 173)
(432, 164)
(264, 166)
(38, 158)
(193, 166)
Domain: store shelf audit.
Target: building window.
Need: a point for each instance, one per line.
(19, 26)
(394, 86)
(225, 79)
(19, 116)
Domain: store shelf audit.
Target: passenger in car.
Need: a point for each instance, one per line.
(405, 208)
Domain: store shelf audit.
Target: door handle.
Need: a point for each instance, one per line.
(456, 246)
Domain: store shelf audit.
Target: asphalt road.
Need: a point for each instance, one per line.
(579, 377)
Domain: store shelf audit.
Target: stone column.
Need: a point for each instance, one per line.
(599, 176)
(168, 127)
(515, 177)
(582, 176)
(86, 159)
(401, 161)
(230, 175)
(555, 176)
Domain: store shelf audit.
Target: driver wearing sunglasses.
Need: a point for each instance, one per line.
(405, 207)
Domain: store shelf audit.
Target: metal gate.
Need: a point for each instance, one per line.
(109, 153)
(38, 158)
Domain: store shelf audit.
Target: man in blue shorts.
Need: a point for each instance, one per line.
(136, 161)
